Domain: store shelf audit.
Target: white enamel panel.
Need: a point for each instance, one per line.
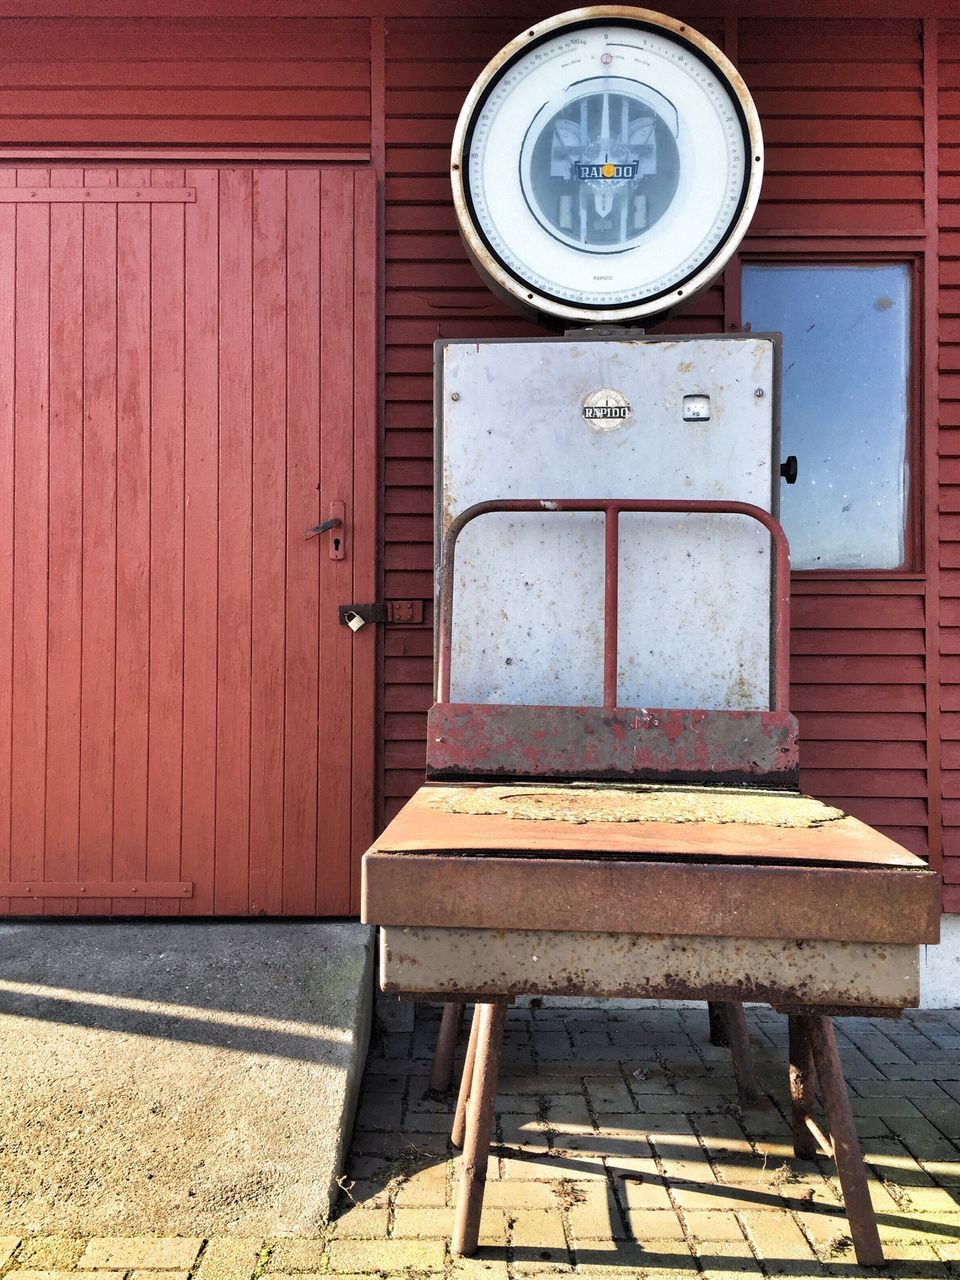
(695, 590)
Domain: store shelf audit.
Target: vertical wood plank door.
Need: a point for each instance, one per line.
(187, 385)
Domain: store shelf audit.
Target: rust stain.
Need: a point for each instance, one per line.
(642, 804)
(637, 745)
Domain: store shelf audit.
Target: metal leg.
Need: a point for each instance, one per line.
(846, 1146)
(718, 1032)
(476, 1148)
(466, 1082)
(803, 1082)
(450, 1024)
(737, 1037)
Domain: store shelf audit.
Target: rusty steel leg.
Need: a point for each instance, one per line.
(846, 1146)
(476, 1147)
(718, 1031)
(738, 1038)
(466, 1082)
(803, 1082)
(450, 1024)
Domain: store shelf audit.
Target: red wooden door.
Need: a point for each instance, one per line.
(187, 383)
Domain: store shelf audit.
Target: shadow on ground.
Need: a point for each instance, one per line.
(622, 1151)
(177, 1078)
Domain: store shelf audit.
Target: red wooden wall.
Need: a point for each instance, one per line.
(862, 123)
(256, 81)
(843, 108)
(947, 375)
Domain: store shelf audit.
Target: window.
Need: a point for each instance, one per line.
(845, 408)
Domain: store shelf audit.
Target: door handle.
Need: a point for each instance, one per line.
(322, 528)
(338, 515)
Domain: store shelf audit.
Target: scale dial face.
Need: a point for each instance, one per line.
(605, 165)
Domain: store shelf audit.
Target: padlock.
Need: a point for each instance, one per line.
(354, 621)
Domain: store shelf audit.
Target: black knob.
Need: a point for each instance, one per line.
(788, 469)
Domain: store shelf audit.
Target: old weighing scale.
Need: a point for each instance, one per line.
(612, 805)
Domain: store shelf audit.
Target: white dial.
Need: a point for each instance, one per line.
(605, 165)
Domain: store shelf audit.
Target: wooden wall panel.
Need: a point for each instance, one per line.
(99, 540)
(267, 534)
(31, 506)
(857, 666)
(337, 642)
(65, 559)
(8, 294)
(234, 540)
(303, 599)
(253, 81)
(833, 95)
(132, 711)
(948, 352)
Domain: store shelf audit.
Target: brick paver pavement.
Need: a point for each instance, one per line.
(620, 1152)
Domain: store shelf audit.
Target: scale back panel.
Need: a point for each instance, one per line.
(674, 418)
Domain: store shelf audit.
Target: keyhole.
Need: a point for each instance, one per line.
(336, 544)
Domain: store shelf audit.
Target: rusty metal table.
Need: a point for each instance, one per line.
(487, 892)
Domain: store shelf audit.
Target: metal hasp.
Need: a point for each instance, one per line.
(382, 611)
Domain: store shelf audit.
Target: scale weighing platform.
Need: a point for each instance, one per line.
(642, 852)
(612, 802)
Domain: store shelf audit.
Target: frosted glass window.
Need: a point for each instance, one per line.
(846, 354)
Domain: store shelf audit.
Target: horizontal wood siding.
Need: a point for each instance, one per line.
(949, 469)
(857, 665)
(198, 81)
(841, 104)
(431, 292)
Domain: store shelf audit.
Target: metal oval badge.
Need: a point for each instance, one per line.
(606, 409)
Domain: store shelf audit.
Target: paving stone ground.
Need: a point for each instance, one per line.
(620, 1152)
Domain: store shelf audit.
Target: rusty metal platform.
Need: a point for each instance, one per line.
(650, 891)
(676, 822)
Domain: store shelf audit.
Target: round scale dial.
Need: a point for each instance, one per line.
(605, 165)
